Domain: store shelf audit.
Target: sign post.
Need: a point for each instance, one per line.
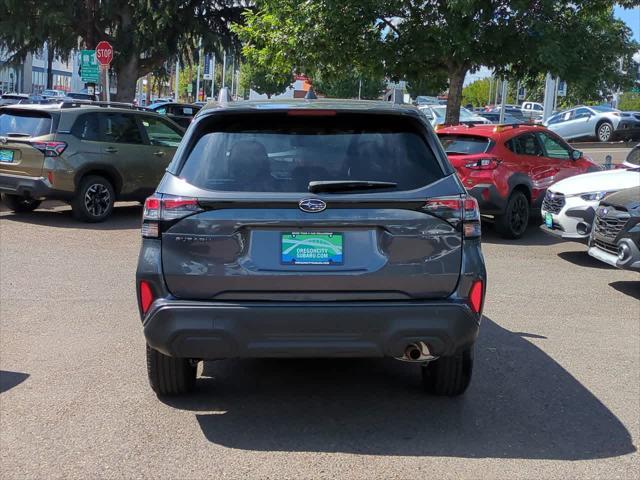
(104, 55)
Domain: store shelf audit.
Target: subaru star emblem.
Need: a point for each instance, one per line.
(312, 205)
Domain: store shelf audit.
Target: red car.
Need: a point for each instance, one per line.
(508, 168)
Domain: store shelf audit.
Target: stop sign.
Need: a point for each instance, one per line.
(104, 53)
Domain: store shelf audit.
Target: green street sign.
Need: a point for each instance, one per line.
(89, 66)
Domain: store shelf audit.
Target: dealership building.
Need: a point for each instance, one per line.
(30, 75)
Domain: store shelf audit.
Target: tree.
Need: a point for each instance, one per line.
(265, 81)
(420, 40)
(477, 93)
(144, 35)
(349, 85)
(429, 85)
(629, 101)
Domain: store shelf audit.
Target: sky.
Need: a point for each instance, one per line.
(630, 16)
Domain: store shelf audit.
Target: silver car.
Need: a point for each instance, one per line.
(436, 115)
(599, 122)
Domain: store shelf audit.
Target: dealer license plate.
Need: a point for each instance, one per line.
(548, 220)
(6, 156)
(311, 248)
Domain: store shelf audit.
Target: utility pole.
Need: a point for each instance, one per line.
(233, 75)
(549, 91)
(505, 84)
(497, 90)
(360, 88)
(198, 74)
(490, 90)
(176, 94)
(224, 68)
(213, 77)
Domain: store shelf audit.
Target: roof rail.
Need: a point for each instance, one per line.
(89, 103)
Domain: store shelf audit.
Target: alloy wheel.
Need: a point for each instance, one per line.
(97, 199)
(604, 132)
(519, 215)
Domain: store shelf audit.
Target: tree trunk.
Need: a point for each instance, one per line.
(127, 76)
(50, 55)
(456, 82)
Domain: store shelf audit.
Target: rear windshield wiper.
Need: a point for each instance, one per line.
(347, 185)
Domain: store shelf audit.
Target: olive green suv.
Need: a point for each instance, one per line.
(87, 154)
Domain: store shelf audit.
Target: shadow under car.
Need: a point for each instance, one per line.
(521, 404)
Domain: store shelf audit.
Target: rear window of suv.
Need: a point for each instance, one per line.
(26, 123)
(464, 144)
(277, 152)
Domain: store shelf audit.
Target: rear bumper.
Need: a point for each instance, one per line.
(32, 187)
(215, 330)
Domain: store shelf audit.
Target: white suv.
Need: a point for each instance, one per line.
(568, 208)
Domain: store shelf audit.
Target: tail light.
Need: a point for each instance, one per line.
(50, 149)
(146, 296)
(457, 210)
(161, 208)
(488, 163)
(476, 296)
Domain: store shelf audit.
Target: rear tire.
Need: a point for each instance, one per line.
(169, 375)
(94, 199)
(448, 376)
(513, 223)
(19, 204)
(604, 132)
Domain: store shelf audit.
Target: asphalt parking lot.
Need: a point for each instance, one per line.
(554, 395)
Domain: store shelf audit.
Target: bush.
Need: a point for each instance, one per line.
(629, 101)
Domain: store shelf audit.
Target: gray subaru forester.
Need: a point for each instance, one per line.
(310, 228)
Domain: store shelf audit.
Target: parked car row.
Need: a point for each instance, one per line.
(436, 115)
(601, 209)
(88, 154)
(275, 205)
(600, 122)
(508, 168)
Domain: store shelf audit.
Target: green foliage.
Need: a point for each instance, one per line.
(477, 93)
(265, 81)
(347, 86)
(144, 34)
(420, 42)
(629, 101)
(430, 84)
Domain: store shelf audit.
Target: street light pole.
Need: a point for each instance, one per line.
(549, 91)
(233, 75)
(503, 100)
(176, 94)
(213, 77)
(490, 90)
(198, 73)
(224, 68)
